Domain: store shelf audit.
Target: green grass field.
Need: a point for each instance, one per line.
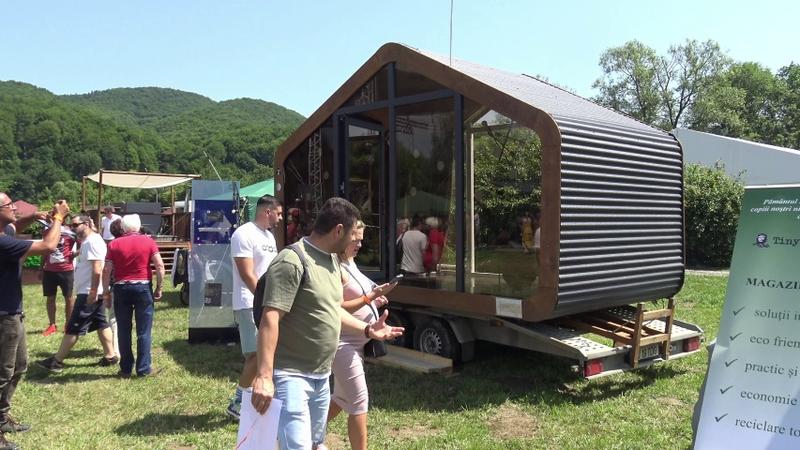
(505, 399)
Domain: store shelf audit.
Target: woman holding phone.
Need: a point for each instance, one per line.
(362, 298)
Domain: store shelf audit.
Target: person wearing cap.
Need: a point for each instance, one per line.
(105, 223)
(13, 345)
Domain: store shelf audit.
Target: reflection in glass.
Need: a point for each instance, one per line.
(376, 89)
(366, 189)
(503, 196)
(309, 182)
(410, 82)
(426, 192)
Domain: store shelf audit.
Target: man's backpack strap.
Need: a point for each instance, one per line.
(258, 296)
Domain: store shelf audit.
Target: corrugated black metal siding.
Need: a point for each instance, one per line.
(621, 216)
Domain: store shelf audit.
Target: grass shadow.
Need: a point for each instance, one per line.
(213, 360)
(155, 424)
(39, 375)
(73, 354)
(499, 374)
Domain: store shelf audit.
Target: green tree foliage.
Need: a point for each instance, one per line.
(508, 174)
(48, 143)
(712, 202)
(659, 90)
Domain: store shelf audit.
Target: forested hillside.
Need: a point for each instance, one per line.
(48, 142)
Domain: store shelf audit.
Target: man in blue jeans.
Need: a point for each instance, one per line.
(130, 256)
(304, 296)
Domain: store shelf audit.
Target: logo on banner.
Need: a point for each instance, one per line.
(761, 240)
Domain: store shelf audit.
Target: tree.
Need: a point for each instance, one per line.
(659, 90)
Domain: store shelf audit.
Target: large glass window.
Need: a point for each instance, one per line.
(503, 195)
(309, 182)
(426, 192)
(366, 188)
(410, 82)
(376, 89)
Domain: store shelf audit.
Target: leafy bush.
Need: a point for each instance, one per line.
(32, 262)
(713, 201)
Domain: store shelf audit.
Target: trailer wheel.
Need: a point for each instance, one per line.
(436, 338)
(184, 294)
(398, 318)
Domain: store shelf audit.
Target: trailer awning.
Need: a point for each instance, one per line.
(140, 180)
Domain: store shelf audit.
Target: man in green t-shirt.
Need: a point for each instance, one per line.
(304, 298)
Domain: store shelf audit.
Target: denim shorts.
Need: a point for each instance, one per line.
(248, 333)
(86, 318)
(304, 414)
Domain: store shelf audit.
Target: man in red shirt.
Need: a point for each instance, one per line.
(130, 256)
(58, 271)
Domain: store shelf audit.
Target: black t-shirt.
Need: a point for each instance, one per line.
(11, 252)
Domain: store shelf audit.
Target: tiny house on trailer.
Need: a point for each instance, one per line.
(547, 215)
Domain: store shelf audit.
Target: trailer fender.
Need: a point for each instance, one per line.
(462, 328)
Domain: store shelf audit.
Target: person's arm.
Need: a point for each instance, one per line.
(97, 273)
(156, 260)
(268, 331)
(106, 282)
(23, 222)
(50, 240)
(378, 330)
(377, 292)
(244, 267)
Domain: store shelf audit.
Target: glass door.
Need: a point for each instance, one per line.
(365, 185)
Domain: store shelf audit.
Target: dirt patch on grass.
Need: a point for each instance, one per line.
(336, 442)
(511, 422)
(413, 432)
(671, 401)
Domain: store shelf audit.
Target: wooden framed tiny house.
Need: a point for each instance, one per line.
(548, 205)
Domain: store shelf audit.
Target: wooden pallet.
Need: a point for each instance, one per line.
(636, 332)
(413, 360)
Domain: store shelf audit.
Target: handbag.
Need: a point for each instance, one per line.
(375, 349)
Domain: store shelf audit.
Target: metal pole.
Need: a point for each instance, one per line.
(174, 234)
(83, 195)
(99, 198)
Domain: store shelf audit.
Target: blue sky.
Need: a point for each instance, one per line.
(297, 53)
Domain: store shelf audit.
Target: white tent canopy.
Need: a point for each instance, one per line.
(140, 180)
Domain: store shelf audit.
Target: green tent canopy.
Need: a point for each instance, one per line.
(255, 191)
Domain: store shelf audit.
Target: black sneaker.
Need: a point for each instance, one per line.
(7, 445)
(105, 362)
(10, 425)
(51, 364)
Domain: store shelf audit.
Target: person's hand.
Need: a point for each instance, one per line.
(157, 294)
(107, 299)
(263, 392)
(381, 290)
(92, 298)
(41, 215)
(381, 301)
(381, 331)
(61, 208)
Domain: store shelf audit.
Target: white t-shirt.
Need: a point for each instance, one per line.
(537, 238)
(414, 243)
(92, 249)
(105, 224)
(249, 241)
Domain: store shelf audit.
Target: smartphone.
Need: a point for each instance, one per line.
(397, 278)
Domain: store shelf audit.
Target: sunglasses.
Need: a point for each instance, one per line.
(7, 205)
(76, 225)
